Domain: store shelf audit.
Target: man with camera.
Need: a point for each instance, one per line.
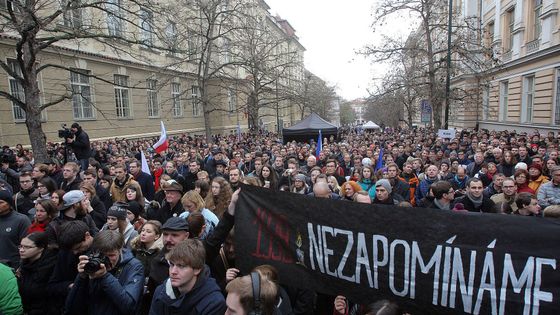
(109, 281)
(79, 142)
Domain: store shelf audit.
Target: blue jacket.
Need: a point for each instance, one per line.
(369, 186)
(117, 292)
(204, 299)
(423, 189)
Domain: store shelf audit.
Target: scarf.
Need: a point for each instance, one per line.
(476, 201)
(441, 205)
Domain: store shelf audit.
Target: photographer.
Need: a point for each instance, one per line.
(110, 281)
(80, 145)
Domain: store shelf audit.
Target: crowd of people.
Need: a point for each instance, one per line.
(92, 231)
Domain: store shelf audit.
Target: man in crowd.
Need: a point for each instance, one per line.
(527, 205)
(474, 200)
(190, 177)
(113, 286)
(13, 227)
(24, 199)
(330, 170)
(90, 177)
(496, 186)
(549, 193)
(190, 289)
(400, 187)
(145, 180)
(523, 155)
(71, 180)
(121, 182)
(505, 201)
(443, 196)
(241, 300)
(171, 170)
(474, 167)
(80, 145)
(172, 205)
(235, 176)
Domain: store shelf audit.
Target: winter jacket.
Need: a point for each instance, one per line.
(37, 227)
(13, 227)
(210, 219)
(10, 301)
(73, 185)
(549, 194)
(117, 292)
(25, 201)
(146, 183)
(205, 298)
(369, 186)
(537, 183)
(165, 212)
(63, 275)
(33, 284)
(53, 229)
(525, 188)
(401, 189)
(118, 191)
(487, 204)
(99, 213)
(81, 145)
(423, 188)
(507, 169)
(145, 256)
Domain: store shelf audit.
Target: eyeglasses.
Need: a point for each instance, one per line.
(25, 247)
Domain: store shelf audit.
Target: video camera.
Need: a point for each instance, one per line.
(65, 132)
(94, 263)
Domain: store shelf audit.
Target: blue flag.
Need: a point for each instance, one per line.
(319, 145)
(379, 160)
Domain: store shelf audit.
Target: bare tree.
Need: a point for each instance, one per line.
(315, 96)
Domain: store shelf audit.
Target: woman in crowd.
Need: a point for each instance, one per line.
(268, 177)
(550, 163)
(487, 172)
(117, 220)
(193, 203)
(97, 209)
(37, 264)
(348, 189)
(202, 187)
(134, 193)
(522, 181)
(219, 197)
(507, 165)
(299, 185)
(56, 197)
(106, 181)
(367, 181)
(444, 172)
(146, 245)
(46, 186)
(45, 211)
(333, 185)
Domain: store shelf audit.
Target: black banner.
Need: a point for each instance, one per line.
(429, 261)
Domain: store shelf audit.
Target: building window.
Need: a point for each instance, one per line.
(82, 103)
(153, 106)
(122, 98)
(72, 15)
(557, 106)
(16, 90)
(232, 101)
(510, 26)
(171, 36)
(176, 97)
(528, 99)
(114, 18)
(504, 91)
(146, 27)
(195, 97)
(537, 10)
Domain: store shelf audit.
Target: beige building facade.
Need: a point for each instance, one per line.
(126, 91)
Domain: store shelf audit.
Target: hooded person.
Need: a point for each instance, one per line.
(13, 227)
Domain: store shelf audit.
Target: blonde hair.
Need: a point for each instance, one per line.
(552, 211)
(195, 198)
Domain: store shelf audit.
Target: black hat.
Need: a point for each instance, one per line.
(176, 224)
(118, 210)
(7, 197)
(135, 208)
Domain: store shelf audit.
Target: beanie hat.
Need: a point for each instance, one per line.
(366, 161)
(537, 166)
(7, 197)
(118, 210)
(300, 177)
(385, 183)
(135, 208)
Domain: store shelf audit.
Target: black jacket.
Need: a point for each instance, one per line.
(165, 212)
(99, 213)
(33, 280)
(487, 204)
(80, 145)
(64, 273)
(146, 183)
(74, 185)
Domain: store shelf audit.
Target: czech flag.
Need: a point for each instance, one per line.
(162, 143)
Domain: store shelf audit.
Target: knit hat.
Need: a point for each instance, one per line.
(520, 165)
(300, 177)
(385, 183)
(7, 197)
(118, 210)
(135, 208)
(537, 166)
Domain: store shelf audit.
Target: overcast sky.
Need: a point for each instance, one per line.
(331, 32)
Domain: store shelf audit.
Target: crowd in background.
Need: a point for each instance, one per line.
(161, 239)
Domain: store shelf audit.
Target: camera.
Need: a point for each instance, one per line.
(95, 261)
(65, 132)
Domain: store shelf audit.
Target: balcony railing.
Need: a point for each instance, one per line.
(533, 46)
(507, 56)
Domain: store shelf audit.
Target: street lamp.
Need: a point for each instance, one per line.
(448, 79)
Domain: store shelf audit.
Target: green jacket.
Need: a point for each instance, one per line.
(10, 301)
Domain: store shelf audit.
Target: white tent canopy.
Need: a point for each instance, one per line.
(370, 125)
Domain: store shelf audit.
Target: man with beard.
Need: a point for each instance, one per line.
(122, 180)
(72, 209)
(235, 176)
